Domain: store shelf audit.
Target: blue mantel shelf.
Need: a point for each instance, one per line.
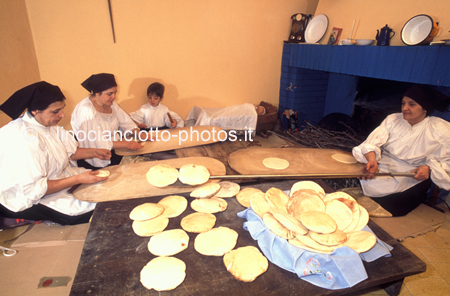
(414, 64)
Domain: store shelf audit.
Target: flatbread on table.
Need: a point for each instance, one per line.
(209, 205)
(206, 191)
(168, 242)
(163, 273)
(146, 211)
(198, 222)
(246, 263)
(216, 242)
(228, 189)
(193, 174)
(363, 219)
(302, 202)
(307, 185)
(150, 227)
(318, 222)
(331, 239)
(275, 163)
(243, 197)
(162, 175)
(174, 205)
(289, 221)
(340, 212)
(307, 243)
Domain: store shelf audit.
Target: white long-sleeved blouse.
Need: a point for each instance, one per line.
(154, 117)
(400, 147)
(98, 130)
(32, 154)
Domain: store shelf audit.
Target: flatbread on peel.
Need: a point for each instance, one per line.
(198, 222)
(216, 242)
(168, 242)
(206, 191)
(344, 158)
(361, 241)
(311, 185)
(162, 175)
(302, 202)
(209, 205)
(193, 174)
(103, 173)
(259, 203)
(332, 239)
(150, 227)
(275, 163)
(174, 205)
(228, 189)
(245, 263)
(163, 273)
(340, 212)
(276, 227)
(277, 198)
(289, 221)
(146, 211)
(318, 222)
(243, 197)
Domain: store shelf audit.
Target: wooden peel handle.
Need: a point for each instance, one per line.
(308, 176)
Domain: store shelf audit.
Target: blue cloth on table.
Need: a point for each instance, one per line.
(343, 268)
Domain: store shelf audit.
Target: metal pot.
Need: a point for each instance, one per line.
(419, 30)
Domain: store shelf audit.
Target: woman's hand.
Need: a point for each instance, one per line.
(90, 177)
(173, 123)
(371, 166)
(102, 153)
(422, 173)
(132, 145)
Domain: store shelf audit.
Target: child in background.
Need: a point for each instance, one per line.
(154, 114)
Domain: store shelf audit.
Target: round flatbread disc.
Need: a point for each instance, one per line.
(174, 205)
(259, 204)
(312, 244)
(193, 174)
(302, 202)
(150, 227)
(216, 242)
(243, 197)
(198, 222)
(332, 239)
(163, 273)
(209, 205)
(340, 212)
(228, 189)
(206, 191)
(344, 158)
(245, 263)
(276, 227)
(146, 211)
(363, 219)
(289, 221)
(307, 185)
(361, 241)
(162, 175)
(275, 163)
(318, 222)
(168, 242)
(277, 198)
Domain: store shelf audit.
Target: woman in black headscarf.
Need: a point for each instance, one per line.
(411, 141)
(99, 122)
(37, 165)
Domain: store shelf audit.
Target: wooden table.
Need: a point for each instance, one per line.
(113, 257)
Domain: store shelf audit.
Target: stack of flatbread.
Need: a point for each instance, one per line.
(311, 220)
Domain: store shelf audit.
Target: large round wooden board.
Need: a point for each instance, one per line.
(129, 181)
(170, 139)
(301, 161)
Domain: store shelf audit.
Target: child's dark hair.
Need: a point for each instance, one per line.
(156, 88)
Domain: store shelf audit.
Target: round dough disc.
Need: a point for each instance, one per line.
(163, 273)
(216, 242)
(198, 222)
(246, 263)
(275, 163)
(174, 205)
(168, 242)
(344, 158)
(162, 175)
(103, 173)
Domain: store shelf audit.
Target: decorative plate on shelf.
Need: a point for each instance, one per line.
(316, 28)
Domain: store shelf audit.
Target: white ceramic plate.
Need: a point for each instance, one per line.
(316, 28)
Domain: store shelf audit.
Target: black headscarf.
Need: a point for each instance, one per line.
(99, 82)
(36, 96)
(429, 98)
